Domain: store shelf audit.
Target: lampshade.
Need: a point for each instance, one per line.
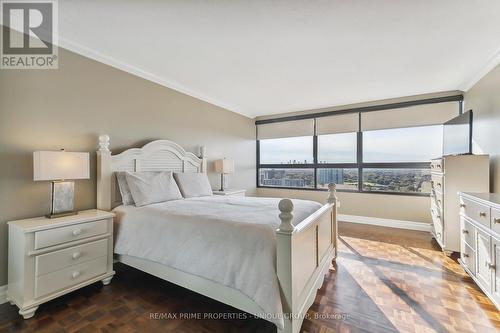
(60, 165)
(224, 166)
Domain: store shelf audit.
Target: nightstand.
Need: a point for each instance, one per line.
(236, 193)
(51, 257)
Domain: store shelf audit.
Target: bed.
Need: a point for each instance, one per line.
(270, 254)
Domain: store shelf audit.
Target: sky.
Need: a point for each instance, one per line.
(416, 144)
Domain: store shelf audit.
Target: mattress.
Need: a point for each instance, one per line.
(228, 240)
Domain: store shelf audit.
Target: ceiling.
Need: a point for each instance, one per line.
(269, 57)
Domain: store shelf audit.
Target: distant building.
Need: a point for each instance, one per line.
(326, 176)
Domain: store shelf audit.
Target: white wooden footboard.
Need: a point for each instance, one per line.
(304, 254)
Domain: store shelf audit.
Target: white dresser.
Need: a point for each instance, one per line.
(480, 241)
(51, 257)
(451, 174)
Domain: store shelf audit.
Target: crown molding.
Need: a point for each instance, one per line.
(126, 67)
(490, 64)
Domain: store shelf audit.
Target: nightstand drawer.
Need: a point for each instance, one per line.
(70, 276)
(54, 261)
(70, 233)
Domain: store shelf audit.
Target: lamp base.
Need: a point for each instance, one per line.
(62, 199)
(55, 216)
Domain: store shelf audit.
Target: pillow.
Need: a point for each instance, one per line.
(193, 184)
(124, 189)
(152, 187)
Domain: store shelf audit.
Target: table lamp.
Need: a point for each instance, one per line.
(224, 167)
(61, 167)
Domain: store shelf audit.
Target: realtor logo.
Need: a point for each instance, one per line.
(29, 35)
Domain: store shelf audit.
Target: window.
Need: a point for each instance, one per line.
(413, 144)
(372, 150)
(346, 179)
(397, 180)
(298, 150)
(299, 178)
(337, 148)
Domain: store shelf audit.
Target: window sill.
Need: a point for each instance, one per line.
(408, 194)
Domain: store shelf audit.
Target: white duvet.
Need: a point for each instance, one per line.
(229, 240)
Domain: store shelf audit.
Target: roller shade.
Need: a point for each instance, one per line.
(344, 123)
(286, 129)
(418, 115)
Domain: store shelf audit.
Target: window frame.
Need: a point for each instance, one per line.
(359, 164)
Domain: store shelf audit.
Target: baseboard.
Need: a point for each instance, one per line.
(409, 225)
(3, 294)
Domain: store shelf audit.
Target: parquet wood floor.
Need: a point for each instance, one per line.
(385, 280)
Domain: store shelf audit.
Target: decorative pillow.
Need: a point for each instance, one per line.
(193, 184)
(124, 189)
(152, 187)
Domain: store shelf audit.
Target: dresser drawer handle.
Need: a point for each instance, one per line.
(75, 274)
(482, 214)
(490, 266)
(464, 231)
(465, 255)
(77, 232)
(462, 205)
(497, 220)
(77, 255)
(439, 184)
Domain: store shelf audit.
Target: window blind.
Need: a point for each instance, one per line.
(286, 129)
(418, 115)
(344, 123)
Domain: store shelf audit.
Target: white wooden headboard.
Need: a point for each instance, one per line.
(159, 155)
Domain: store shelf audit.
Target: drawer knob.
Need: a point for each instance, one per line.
(76, 255)
(462, 205)
(77, 232)
(482, 214)
(464, 231)
(497, 220)
(75, 274)
(439, 184)
(465, 255)
(490, 266)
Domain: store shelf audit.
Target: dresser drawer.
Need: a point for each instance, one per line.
(437, 182)
(438, 229)
(437, 165)
(54, 261)
(476, 211)
(437, 198)
(70, 276)
(70, 233)
(436, 211)
(495, 220)
(468, 232)
(468, 257)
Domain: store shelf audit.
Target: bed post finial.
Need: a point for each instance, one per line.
(332, 193)
(286, 216)
(104, 174)
(104, 142)
(202, 151)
